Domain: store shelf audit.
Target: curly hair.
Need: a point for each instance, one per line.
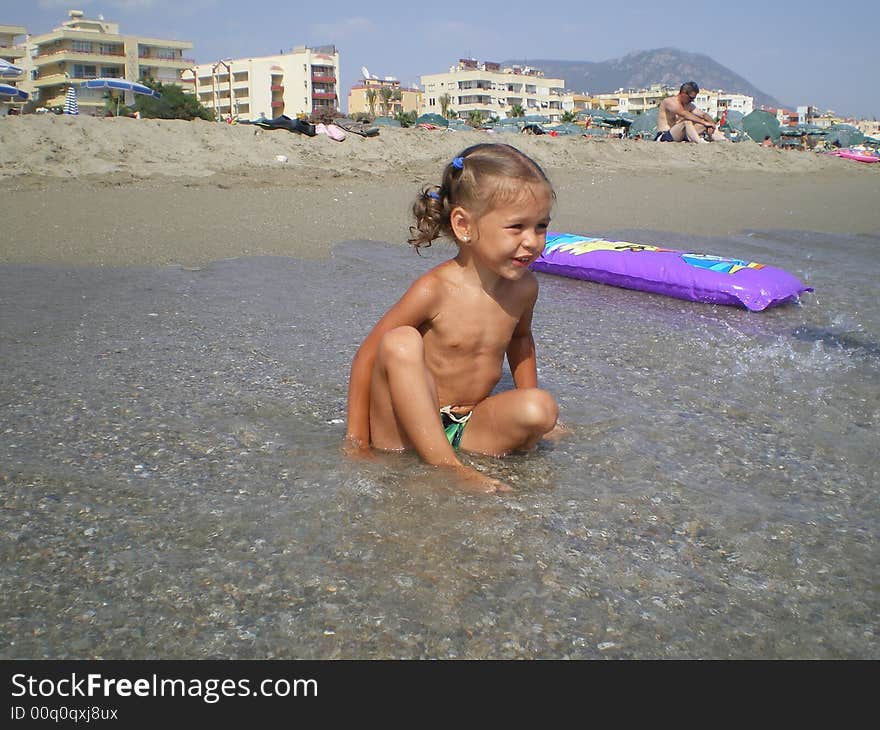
(482, 177)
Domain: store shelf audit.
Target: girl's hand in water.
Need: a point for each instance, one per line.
(355, 449)
(471, 480)
(560, 430)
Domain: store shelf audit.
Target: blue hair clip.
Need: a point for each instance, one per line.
(434, 194)
(458, 163)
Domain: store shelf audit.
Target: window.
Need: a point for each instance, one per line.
(107, 49)
(111, 72)
(81, 71)
(82, 46)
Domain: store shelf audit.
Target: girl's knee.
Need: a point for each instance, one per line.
(539, 410)
(401, 345)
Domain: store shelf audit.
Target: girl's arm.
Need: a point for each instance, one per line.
(521, 350)
(415, 307)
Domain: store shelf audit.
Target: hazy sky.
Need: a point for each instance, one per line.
(825, 56)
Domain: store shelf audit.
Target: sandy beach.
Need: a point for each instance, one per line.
(88, 191)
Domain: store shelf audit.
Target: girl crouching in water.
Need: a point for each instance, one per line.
(423, 377)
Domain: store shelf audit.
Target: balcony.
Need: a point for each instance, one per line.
(68, 54)
(323, 79)
(50, 80)
(277, 104)
(276, 87)
(157, 61)
(323, 94)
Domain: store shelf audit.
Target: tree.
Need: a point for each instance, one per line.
(386, 93)
(568, 117)
(174, 103)
(517, 111)
(371, 101)
(445, 101)
(475, 118)
(406, 119)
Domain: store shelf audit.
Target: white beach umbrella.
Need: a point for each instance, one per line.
(7, 70)
(71, 106)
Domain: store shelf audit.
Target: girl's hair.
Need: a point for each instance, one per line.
(482, 177)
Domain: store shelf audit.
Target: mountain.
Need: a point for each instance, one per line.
(640, 69)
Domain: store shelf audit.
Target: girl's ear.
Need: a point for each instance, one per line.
(462, 224)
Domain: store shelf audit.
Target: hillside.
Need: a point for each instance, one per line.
(640, 69)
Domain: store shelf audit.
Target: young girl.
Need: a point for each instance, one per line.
(422, 378)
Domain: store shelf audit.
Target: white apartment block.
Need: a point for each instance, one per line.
(485, 87)
(715, 103)
(299, 82)
(83, 48)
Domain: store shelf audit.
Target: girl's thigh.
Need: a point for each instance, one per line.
(510, 421)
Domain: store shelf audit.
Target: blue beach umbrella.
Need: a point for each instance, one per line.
(121, 85)
(10, 91)
(7, 70)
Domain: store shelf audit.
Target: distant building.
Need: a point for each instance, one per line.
(485, 87)
(403, 99)
(300, 82)
(83, 48)
(13, 48)
(636, 101)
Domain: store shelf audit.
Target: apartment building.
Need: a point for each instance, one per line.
(487, 88)
(14, 50)
(85, 48)
(401, 98)
(636, 101)
(300, 82)
(12, 44)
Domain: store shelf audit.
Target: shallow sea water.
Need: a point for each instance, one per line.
(173, 486)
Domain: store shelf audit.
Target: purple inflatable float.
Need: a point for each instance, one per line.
(693, 276)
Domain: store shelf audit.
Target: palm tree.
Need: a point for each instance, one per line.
(386, 93)
(371, 101)
(568, 117)
(444, 100)
(475, 118)
(517, 111)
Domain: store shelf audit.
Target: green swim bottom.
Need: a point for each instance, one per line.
(453, 425)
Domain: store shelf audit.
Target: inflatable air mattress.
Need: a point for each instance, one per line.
(692, 276)
(855, 155)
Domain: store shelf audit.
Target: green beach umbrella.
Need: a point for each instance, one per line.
(385, 122)
(844, 135)
(645, 124)
(436, 119)
(759, 124)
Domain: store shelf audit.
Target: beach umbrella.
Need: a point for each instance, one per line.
(566, 128)
(759, 124)
(733, 120)
(436, 119)
(121, 85)
(844, 135)
(385, 122)
(70, 104)
(10, 91)
(645, 124)
(535, 119)
(7, 70)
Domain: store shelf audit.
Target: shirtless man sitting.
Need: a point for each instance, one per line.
(678, 119)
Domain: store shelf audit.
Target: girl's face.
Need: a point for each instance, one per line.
(509, 237)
